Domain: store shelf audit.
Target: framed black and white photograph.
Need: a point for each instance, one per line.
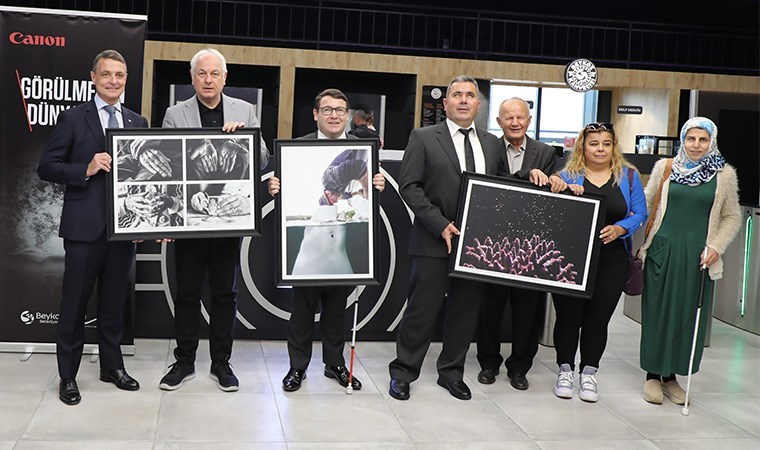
(327, 212)
(517, 234)
(183, 183)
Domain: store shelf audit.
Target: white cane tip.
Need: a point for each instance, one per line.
(349, 390)
(684, 411)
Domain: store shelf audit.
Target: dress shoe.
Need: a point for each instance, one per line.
(340, 373)
(68, 391)
(456, 388)
(487, 376)
(518, 381)
(292, 381)
(120, 378)
(399, 389)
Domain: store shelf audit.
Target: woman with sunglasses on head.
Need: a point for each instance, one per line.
(597, 166)
(697, 217)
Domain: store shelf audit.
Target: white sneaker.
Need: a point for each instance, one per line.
(588, 390)
(563, 387)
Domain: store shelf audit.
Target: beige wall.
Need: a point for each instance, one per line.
(653, 120)
(626, 84)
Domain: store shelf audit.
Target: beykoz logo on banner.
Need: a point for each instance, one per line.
(44, 318)
(20, 38)
(27, 317)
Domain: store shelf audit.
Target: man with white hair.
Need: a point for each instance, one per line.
(220, 256)
(531, 160)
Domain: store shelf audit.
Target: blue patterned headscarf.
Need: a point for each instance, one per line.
(686, 171)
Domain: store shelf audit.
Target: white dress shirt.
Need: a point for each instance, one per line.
(103, 114)
(477, 149)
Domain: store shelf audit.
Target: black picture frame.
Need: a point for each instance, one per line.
(517, 234)
(320, 241)
(197, 182)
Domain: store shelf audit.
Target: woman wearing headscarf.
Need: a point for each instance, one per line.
(597, 166)
(697, 217)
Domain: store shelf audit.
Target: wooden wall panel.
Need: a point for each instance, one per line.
(436, 71)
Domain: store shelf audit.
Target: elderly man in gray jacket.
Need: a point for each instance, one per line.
(220, 256)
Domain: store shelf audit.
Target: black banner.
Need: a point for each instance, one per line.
(46, 61)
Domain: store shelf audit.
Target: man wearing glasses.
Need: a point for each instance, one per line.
(220, 256)
(331, 115)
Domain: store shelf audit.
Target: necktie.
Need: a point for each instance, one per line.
(469, 157)
(112, 122)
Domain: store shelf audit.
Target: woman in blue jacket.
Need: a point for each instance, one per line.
(597, 166)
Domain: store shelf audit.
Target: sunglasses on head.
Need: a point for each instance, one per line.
(599, 126)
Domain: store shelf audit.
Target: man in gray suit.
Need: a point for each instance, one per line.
(526, 159)
(431, 172)
(220, 256)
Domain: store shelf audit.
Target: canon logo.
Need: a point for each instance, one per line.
(19, 38)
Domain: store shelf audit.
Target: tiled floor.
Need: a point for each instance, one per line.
(725, 412)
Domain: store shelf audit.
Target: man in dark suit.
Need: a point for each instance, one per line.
(526, 159)
(429, 181)
(76, 157)
(220, 257)
(330, 114)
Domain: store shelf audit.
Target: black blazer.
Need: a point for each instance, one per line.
(76, 138)
(537, 156)
(429, 183)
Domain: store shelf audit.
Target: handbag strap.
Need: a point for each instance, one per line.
(629, 240)
(653, 213)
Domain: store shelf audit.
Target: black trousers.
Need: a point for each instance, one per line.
(108, 263)
(528, 309)
(430, 289)
(306, 303)
(588, 319)
(193, 257)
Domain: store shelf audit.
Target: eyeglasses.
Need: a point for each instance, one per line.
(327, 110)
(599, 126)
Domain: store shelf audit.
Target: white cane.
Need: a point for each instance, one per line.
(350, 387)
(685, 409)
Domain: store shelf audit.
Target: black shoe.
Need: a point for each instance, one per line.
(518, 381)
(226, 380)
(399, 389)
(340, 373)
(456, 388)
(292, 381)
(68, 391)
(487, 376)
(178, 373)
(120, 378)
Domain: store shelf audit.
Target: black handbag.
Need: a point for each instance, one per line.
(634, 282)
